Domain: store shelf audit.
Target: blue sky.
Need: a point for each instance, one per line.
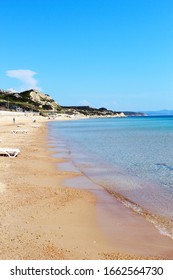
(103, 53)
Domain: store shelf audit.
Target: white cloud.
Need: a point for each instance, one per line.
(11, 89)
(84, 103)
(26, 77)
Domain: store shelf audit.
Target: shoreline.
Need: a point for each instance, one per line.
(42, 218)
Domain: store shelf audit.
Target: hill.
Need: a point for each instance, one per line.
(36, 101)
(93, 112)
(30, 100)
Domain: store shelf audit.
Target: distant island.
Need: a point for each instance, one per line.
(160, 113)
(35, 101)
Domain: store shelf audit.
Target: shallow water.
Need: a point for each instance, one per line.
(130, 157)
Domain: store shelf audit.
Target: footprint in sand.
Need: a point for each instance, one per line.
(2, 187)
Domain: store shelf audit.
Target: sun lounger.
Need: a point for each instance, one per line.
(19, 131)
(9, 152)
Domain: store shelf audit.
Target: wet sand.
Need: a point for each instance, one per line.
(46, 213)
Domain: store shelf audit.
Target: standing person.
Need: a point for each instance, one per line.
(14, 120)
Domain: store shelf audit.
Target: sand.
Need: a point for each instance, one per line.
(41, 217)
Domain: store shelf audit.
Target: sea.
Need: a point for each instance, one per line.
(131, 158)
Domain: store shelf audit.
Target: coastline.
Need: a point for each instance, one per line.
(41, 218)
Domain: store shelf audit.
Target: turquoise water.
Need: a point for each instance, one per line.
(132, 157)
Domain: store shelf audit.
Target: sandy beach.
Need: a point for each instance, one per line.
(41, 217)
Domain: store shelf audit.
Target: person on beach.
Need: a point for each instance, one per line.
(14, 120)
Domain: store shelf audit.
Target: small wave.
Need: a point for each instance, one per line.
(164, 165)
(164, 225)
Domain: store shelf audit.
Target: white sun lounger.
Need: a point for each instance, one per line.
(9, 152)
(19, 131)
(35, 126)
